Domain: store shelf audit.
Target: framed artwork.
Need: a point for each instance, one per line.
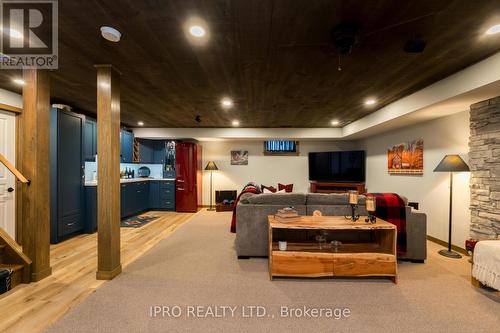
(239, 157)
(406, 158)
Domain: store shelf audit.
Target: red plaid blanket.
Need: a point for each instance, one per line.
(246, 189)
(391, 208)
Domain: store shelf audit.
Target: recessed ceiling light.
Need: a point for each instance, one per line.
(493, 30)
(197, 31)
(18, 81)
(370, 101)
(335, 122)
(226, 102)
(236, 123)
(111, 34)
(140, 123)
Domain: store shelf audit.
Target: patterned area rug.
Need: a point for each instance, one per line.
(138, 221)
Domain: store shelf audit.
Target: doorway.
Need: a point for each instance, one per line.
(7, 179)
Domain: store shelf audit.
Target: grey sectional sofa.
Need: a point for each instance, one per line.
(253, 209)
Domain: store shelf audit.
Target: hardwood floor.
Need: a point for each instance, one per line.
(33, 307)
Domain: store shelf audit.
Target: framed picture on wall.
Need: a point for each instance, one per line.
(239, 157)
(406, 158)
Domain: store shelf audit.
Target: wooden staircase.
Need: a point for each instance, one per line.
(11, 256)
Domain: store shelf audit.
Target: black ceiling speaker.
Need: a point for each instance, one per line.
(344, 37)
(415, 46)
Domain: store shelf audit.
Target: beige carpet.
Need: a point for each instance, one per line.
(197, 265)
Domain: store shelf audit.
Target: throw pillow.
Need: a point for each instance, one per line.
(253, 185)
(288, 187)
(271, 189)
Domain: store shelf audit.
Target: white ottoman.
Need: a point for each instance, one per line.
(486, 268)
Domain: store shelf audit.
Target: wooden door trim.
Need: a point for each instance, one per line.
(10, 108)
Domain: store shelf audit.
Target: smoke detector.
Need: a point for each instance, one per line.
(111, 34)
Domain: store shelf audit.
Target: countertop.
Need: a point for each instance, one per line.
(131, 180)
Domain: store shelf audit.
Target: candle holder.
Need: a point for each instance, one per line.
(353, 202)
(371, 207)
(354, 217)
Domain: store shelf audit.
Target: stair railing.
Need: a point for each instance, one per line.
(14, 171)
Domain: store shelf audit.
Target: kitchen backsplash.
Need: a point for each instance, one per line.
(156, 169)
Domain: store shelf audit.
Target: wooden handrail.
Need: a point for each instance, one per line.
(13, 169)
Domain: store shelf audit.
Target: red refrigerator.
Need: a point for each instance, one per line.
(188, 167)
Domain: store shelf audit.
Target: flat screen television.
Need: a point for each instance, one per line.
(337, 166)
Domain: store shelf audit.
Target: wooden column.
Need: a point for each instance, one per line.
(108, 172)
(33, 162)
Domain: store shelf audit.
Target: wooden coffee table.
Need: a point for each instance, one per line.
(366, 249)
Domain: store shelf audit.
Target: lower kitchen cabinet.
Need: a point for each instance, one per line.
(135, 197)
(127, 199)
(167, 195)
(154, 194)
(90, 209)
(162, 194)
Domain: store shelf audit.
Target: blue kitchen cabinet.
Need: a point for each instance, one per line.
(127, 197)
(141, 196)
(152, 151)
(126, 146)
(146, 150)
(90, 139)
(67, 196)
(135, 197)
(162, 195)
(167, 195)
(90, 209)
(90, 142)
(160, 151)
(154, 194)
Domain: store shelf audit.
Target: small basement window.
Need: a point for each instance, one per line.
(281, 147)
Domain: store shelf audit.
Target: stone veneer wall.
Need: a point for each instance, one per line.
(484, 161)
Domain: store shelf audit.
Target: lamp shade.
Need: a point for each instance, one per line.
(452, 163)
(211, 166)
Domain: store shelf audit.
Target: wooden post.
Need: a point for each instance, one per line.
(34, 164)
(108, 172)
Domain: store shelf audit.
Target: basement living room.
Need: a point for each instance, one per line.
(249, 166)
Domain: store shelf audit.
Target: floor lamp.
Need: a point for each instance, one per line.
(211, 167)
(451, 163)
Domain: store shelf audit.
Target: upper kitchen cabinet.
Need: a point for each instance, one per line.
(152, 151)
(90, 139)
(159, 152)
(126, 146)
(146, 150)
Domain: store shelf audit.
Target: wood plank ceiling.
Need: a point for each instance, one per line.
(272, 57)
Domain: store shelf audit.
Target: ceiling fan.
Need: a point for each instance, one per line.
(347, 34)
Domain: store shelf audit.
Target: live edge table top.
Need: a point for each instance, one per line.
(330, 223)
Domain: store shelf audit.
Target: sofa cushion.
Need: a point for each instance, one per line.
(331, 199)
(289, 199)
(244, 197)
